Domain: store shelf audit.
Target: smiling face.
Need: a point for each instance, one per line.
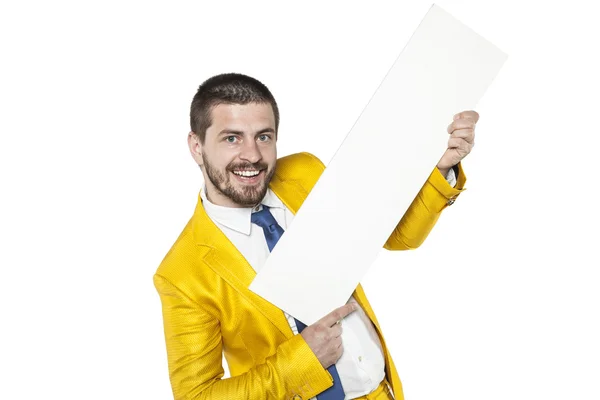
(238, 155)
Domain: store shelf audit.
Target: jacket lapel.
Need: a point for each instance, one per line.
(227, 261)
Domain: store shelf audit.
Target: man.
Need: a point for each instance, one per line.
(203, 280)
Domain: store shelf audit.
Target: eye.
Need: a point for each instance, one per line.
(264, 138)
(230, 139)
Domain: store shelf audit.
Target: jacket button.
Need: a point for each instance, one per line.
(451, 200)
(297, 397)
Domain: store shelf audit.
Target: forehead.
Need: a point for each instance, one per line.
(243, 116)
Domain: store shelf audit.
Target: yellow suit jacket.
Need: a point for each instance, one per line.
(208, 309)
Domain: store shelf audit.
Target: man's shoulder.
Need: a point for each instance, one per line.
(297, 163)
(180, 255)
(304, 167)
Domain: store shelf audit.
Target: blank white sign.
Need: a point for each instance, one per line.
(376, 173)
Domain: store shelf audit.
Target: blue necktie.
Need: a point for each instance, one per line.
(273, 232)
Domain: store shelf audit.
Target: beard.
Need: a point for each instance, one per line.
(244, 195)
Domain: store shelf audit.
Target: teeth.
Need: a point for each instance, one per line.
(246, 173)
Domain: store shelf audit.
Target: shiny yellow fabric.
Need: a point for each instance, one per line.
(208, 310)
(382, 392)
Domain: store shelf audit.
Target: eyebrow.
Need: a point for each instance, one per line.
(234, 132)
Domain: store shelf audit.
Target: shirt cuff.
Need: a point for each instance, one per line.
(451, 177)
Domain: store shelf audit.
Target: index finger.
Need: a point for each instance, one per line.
(339, 314)
(472, 115)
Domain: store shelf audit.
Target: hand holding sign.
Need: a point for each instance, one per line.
(462, 139)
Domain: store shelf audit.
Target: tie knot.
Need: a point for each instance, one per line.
(269, 225)
(263, 218)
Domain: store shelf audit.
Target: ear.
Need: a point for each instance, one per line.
(195, 148)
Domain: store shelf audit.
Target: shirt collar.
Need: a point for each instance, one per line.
(238, 219)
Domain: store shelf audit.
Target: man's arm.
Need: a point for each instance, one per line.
(435, 195)
(194, 349)
(414, 227)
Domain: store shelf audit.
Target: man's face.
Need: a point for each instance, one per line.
(239, 153)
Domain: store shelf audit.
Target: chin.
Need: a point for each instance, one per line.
(240, 195)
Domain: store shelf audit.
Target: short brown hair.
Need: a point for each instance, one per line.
(228, 88)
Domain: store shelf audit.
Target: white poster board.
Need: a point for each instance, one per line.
(380, 167)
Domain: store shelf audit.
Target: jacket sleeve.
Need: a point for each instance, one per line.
(194, 352)
(435, 195)
(414, 227)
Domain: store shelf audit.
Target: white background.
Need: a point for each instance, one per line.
(96, 183)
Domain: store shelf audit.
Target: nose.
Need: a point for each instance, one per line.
(250, 152)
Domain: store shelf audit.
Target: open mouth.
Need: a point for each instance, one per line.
(248, 175)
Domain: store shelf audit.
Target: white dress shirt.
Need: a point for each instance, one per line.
(361, 366)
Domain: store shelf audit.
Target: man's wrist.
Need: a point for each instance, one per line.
(444, 171)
